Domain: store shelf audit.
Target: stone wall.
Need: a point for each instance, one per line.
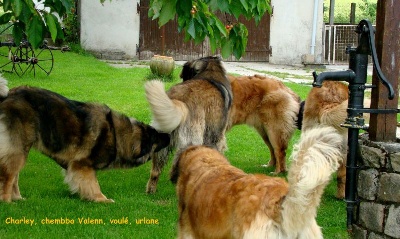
(378, 214)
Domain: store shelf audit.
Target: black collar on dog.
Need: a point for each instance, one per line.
(225, 91)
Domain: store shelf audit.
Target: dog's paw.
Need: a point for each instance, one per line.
(151, 187)
(18, 199)
(104, 200)
(101, 198)
(151, 190)
(109, 200)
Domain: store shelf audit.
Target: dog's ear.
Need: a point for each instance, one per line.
(187, 71)
(199, 65)
(174, 174)
(192, 68)
(163, 140)
(180, 156)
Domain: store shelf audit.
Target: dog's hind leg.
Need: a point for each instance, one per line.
(81, 178)
(275, 155)
(16, 194)
(279, 142)
(10, 165)
(341, 180)
(159, 159)
(6, 183)
(312, 231)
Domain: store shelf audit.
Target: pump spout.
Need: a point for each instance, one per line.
(333, 76)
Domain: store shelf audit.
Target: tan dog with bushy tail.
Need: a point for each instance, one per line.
(217, 200)
(327, 106)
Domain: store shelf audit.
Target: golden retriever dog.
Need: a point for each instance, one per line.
(217, 200)
(80, 137)
(194, 111)
(327, 106)
(271, 108)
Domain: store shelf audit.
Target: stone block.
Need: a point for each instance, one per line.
(373, 235)
(371, 216)
(372, 157)
(358, 232)
(392, 227)
(367, 186)
(395, 162)
(389, 187)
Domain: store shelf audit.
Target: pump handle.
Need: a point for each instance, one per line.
(366, 27)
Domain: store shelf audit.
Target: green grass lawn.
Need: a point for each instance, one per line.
(137, 214)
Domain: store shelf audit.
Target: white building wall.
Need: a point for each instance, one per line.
(110, 30)
(291, 31)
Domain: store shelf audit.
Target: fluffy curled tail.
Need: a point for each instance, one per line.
(167, 113)
(315, 158)
(3, 88)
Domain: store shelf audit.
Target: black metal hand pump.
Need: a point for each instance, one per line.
(356, 76)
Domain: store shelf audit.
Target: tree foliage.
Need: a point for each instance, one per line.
(34, 21)
(199, 19)
(365, 9)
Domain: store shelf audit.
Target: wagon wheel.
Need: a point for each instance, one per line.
(6, 44)
(26, 60)
(6, 60)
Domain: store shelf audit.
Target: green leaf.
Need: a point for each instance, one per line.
(26, 14)
(68, 4)
(237, 9)
(199, 17)
(5, 18)
(35, 32)
(7, 5)
(223, 5)
(226, 48)
(213, 44)
(51, 22)
(191, 30)
(210, 31)
(60, 32)
(221, 27)
(18, 30)
(29, 5)
(17, 7)
(213, 5)
(155, 8)
(237, 52)
(200, 36)
(244, 4)
(183, 7)
(167, 12)
(253, 3)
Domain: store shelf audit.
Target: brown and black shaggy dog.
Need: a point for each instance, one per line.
(194, 111)
(327, 106)
(80, 137)
(217, 200)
